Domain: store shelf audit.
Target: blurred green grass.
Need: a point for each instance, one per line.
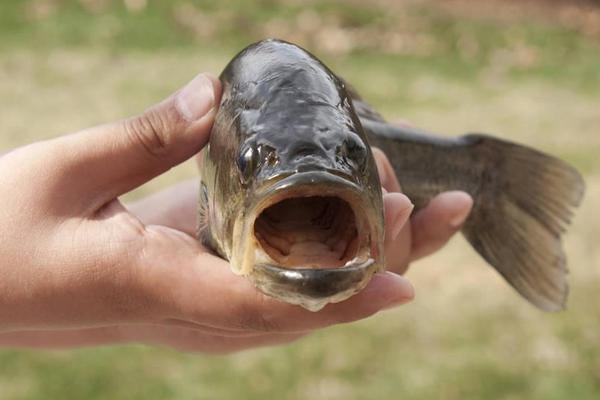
(530, 75)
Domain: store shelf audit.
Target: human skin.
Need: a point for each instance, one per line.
(79, 268)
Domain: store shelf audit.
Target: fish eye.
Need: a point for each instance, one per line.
(247, 162)
(354, 151)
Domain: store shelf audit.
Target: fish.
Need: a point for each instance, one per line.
(290, 194)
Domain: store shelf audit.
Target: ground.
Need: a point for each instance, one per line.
(526, 71)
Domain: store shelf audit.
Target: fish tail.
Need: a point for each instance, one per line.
(523, 202)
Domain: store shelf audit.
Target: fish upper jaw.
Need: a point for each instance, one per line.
(278, 237)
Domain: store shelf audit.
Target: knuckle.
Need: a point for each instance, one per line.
(151, 131)
(147, 130)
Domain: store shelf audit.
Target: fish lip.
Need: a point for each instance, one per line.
(313, 178)
(315, 287)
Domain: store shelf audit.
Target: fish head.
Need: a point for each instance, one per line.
(292, 191)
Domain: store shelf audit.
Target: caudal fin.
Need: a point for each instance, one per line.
(523, 206)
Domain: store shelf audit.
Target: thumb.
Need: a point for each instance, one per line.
(106, 161)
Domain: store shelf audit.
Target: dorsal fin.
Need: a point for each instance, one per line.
(362, 108)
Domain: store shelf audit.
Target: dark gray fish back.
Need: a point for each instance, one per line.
(292, 114)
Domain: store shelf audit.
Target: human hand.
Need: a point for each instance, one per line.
(175, 207)
(78, 267)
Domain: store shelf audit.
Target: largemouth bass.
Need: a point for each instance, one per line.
(290, 193)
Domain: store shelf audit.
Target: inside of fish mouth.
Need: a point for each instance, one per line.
(308, 232)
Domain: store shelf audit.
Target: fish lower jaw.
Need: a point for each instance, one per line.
(314, 288)
(310, 240)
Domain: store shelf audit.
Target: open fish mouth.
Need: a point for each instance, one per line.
(312, 238)
(308, 232)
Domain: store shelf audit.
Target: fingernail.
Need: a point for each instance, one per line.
(461, 215)
(400, 221)
(196, 98)
(405, 291)
(459, 219)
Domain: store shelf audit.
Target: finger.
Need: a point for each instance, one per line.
(397, 245)
(59, 339)
(193, 285)
(234, 332)
(253, 311)
(183, 339)
(175, 207)
(104, 162)
(387, 176)
(433, 226)
(228, 345)
(190, 340)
